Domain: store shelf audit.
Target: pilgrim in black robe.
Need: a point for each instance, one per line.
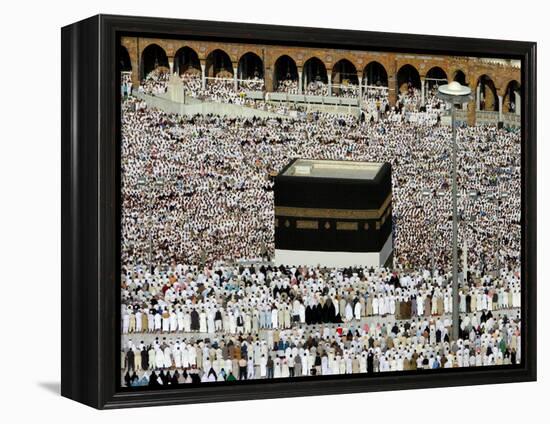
(195, 324)
(370, 362)
(308, 315)
(153, 380)
(130, 360)
(144, 359)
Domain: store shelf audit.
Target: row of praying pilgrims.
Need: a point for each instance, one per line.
(209, 318)
(280, 368)
(327, 351)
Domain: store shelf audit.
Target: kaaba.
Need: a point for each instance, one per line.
(333, 213)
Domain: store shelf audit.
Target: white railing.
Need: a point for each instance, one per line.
(483, 117)
(511, 119)
(304, 98)
(219, 79)
(486, 117)
(461, 115)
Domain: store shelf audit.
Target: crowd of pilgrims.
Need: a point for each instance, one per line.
(208, 180)
(374, 100)
(244, 299)
(223, 88)
(252, 322)
(198, 190)
(287, 85)
(322, 350)
(220, 90)
(217, 89)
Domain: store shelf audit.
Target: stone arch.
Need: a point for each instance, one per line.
(375, 74)
(206, 49)
(435, 77)
(124, 59)
(153, 57)
(314, 70)
(407, 76)
(285, 69)
(460, 76)
(250, 66)
(186, 61)
(512, 97)
(218, 64)
(344, 72)
(488, 93)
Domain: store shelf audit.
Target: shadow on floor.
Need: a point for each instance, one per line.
(51, 386)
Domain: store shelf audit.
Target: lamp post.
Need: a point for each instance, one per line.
(454, 94)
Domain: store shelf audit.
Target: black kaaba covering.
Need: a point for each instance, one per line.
(333, 214)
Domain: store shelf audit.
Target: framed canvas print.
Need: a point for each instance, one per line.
(254, 211)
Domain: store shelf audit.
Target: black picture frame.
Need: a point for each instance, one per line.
(90, 209)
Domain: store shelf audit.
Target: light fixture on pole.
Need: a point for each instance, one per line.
(454, 94)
